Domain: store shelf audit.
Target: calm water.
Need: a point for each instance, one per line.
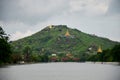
(61, 71)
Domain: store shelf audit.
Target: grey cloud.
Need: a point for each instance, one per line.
(34, 11)
(29, 12)
(9, 9)
(114, 7)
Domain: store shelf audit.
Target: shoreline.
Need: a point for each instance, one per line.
(88, 62)
(109, 63)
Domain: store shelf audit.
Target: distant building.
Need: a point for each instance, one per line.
(53, 54)
(51, 26)
(67, 34)
(99, 50)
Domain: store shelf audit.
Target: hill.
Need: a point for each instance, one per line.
(61, 39)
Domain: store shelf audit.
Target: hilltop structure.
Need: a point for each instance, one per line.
(99, 50)
(50, 26)
(67, 34)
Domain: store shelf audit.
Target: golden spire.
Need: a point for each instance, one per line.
(50, 26)
(99, 50)
(67, 33)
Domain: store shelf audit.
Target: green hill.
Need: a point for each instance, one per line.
(53, 39)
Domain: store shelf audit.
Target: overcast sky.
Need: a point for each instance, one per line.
(21, 18)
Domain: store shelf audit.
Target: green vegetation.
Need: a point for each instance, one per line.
(54, 44)
(5, 51)
(52, 40)
(108, 55)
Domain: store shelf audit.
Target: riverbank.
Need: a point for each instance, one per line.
(26, 63)
(110, 63)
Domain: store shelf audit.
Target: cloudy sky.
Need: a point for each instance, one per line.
(21, 18)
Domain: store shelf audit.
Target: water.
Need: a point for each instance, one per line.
(61, 71)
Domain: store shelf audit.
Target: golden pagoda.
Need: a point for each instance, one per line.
(67, 33)
(99, 50)
(50, 26)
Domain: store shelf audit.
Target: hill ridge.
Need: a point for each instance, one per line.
(53, 39)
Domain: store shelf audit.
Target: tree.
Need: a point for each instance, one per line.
(27, 51)
(44, 58)
(5, 49)
(16, 57)
(35, 57)
(107, 57)
(115, 52)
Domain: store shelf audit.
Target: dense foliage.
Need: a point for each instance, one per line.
(40, 46)
(54, 40)
(52, 44)
(5, 50)
(108, 55)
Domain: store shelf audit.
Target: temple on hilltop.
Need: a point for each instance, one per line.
(99, 50)
(67, 34)
(50, 26)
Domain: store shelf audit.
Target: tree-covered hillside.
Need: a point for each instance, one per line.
(61, 39)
